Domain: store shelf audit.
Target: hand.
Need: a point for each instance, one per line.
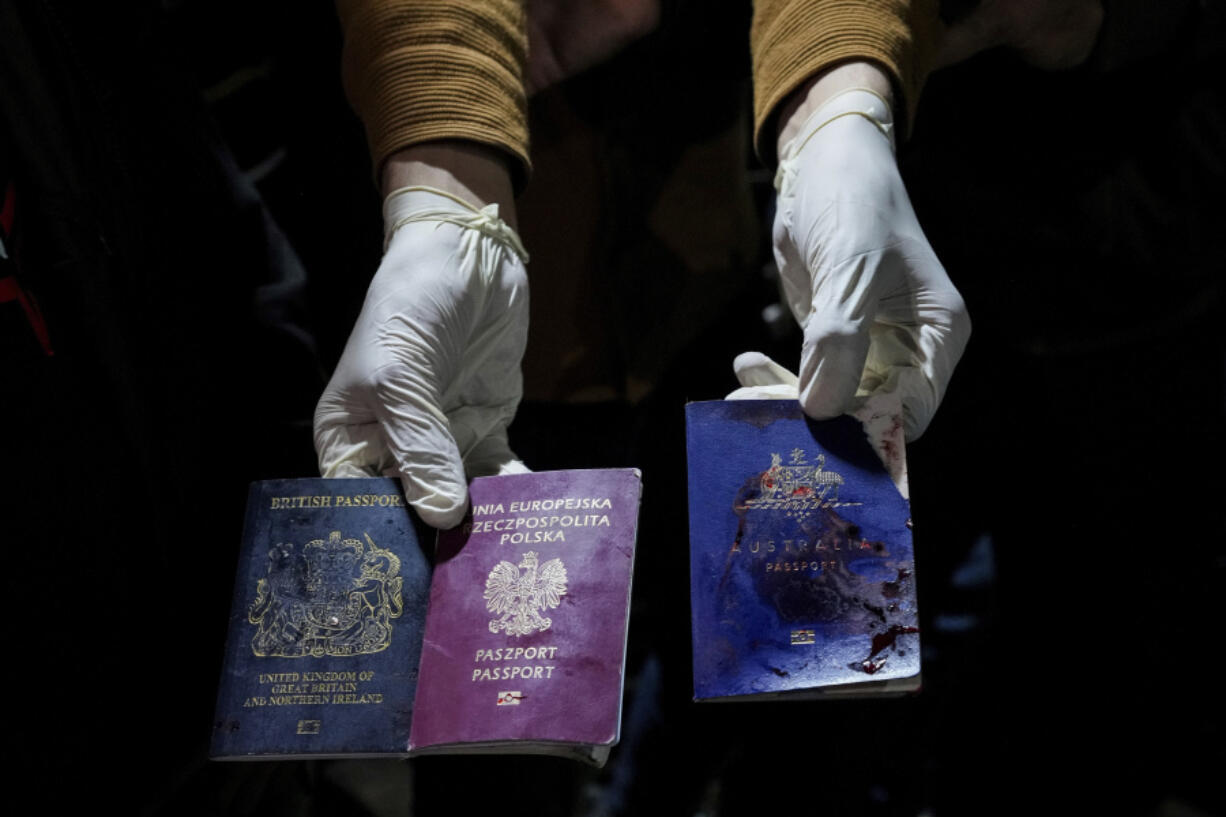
(762, 379)
(430, 378)
(880, 414)
(878, 311)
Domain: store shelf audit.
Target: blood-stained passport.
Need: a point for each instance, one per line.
(802, 575)
(524, 624)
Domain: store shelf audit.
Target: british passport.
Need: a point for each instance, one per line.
(326, 622)
(524, 620)
(802, 575)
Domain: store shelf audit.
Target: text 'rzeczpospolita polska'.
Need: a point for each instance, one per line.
(538, 520)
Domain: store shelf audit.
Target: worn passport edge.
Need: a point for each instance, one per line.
(881, 417)
(595, 754)
(601, 753)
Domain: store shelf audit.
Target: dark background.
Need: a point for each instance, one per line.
(197, 221)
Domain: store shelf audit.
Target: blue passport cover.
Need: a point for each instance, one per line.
(326, 626)
(801, 563)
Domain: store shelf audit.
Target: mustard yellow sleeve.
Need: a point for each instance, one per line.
(422, 70)
(792, 40)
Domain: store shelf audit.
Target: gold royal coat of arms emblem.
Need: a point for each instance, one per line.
(334, 597)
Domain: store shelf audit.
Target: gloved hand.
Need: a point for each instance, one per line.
(878, 311)
(430, 377)
(762, 379)
(880, 413)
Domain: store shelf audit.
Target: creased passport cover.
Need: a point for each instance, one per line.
(526, 635)
(326, 626)
(801, 562)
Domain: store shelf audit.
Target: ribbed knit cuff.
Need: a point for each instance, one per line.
(793, 40)
(428, 70)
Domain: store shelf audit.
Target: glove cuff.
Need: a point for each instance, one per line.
(862, 102)
(421, 203)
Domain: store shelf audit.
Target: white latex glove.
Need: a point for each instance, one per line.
(430, 378)
(878, 311)
(880, 413)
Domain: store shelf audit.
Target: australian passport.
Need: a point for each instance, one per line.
(802, 575)
(523, 617)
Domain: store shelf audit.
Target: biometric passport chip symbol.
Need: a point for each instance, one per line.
(308, 727)
(518, 597)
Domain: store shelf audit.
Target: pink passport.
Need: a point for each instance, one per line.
(525, 640)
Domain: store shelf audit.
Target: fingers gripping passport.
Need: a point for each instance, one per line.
(430, 377)
(878, 312)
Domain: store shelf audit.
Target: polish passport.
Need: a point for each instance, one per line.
(802, 575)
(344, 641)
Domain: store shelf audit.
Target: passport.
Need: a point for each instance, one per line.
(525, 642)
(802, 573)
(325, 628)
(523, 618)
